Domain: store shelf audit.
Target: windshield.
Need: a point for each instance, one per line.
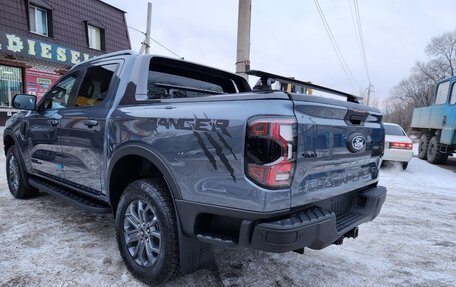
(394, 130)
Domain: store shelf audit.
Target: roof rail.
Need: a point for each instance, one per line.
(109, 55)
(266, 80)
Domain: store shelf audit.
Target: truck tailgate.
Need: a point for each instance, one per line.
(340, 145)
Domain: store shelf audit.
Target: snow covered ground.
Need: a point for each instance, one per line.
(46, 242)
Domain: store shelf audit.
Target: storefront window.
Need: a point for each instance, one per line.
(10, 84)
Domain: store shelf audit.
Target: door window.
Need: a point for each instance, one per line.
(453, 95)
(95, 85)
(442, 93)
(59, 96)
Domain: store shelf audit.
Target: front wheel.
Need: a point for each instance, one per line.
(16, 177)
(146, 231)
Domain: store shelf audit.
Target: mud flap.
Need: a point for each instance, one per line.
(194, 255)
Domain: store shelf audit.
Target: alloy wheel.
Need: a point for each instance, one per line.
(13, 173)
(142, 233)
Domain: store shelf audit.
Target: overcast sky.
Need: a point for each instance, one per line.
(288, 37)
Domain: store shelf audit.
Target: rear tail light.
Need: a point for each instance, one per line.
(271, 151)
(398, 145)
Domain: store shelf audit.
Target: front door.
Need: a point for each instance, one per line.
(82, 129)
(43, 126)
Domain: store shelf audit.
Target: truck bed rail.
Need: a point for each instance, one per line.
(267, 79)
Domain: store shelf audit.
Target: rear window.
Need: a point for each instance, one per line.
(171, 79)
(164, 86)
(394, 130)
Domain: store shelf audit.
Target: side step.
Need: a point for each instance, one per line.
(84, 202)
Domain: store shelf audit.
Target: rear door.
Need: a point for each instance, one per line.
(82, 128)
(339, 147)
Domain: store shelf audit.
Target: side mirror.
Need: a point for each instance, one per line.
(24, 102)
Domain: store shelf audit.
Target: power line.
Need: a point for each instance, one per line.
(157, 42)
(137, 30)
(348, 73)
(355, 27)
(361, 39)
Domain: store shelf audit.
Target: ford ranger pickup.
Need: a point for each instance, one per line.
(189, 157)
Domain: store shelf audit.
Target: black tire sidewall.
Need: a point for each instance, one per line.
(149, 191)
(19, 192)
(432, 150)
(423, 147)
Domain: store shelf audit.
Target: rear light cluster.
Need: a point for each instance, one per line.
(271, 151)
(398, 145)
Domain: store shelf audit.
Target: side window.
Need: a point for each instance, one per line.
(453, 95)
(95, 85)
(59, 96)
(442, 93)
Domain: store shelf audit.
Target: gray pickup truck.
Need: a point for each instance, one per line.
(189, 157)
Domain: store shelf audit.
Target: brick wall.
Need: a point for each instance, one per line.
(68, 22)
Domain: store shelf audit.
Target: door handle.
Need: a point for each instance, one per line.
(53, 123)
(91, 123)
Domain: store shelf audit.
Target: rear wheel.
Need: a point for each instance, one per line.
(422, 148)
(16, 176)
(147, 231)
(433, 152)
(404, 165)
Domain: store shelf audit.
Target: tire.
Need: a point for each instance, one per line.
(433, 152)
(146, 218)
(17, 177)
(422, 147)
(404, 165)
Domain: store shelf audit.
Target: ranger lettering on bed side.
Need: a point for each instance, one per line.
(201, 125)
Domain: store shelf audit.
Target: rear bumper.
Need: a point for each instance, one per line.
(398, 155)
(315, 226)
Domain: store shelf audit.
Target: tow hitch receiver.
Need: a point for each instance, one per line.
(351, 234)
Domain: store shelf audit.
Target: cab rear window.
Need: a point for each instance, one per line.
(165, 86)
(170, 79)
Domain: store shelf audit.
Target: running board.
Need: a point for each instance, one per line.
(73, 198)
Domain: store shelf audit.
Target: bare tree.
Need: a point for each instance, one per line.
(443, 48)
(417, 90)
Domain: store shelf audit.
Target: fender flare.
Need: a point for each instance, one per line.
(141, 149)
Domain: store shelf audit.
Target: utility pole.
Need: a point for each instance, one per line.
(145, 47)
(370, 90)
(243, 38)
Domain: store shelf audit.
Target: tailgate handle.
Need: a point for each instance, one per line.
(356, 118)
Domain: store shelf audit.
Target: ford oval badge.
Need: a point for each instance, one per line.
(356, 142)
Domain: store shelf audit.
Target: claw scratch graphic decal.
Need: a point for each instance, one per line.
(227, 146)
(221, 155)
(208, 154)
(204, 126)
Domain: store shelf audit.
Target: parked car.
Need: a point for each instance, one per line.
(398, 146)
(187, 157)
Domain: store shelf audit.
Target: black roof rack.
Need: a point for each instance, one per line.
(266, 80)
